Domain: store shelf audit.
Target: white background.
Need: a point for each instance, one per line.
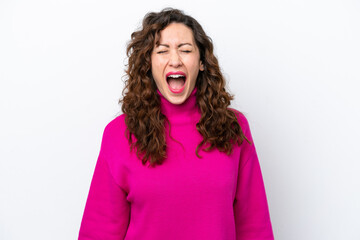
(293, 66)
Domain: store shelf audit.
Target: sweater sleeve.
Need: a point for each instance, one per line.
(107, 212)
(252, 218)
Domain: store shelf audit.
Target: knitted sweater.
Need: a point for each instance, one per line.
(218, 196)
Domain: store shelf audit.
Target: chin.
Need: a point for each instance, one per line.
(176, 99)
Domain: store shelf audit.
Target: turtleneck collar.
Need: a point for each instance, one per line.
(187, 112)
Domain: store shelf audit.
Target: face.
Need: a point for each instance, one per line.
(175, 63)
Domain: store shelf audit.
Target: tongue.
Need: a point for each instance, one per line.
(176, 83)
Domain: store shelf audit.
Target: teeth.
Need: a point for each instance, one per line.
(176, 75)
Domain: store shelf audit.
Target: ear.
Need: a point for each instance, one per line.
(201, 66)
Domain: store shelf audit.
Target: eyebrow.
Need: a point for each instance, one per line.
(180, 45)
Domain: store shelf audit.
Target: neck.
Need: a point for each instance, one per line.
(187, 112)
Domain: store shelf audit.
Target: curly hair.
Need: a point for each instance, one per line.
(218, 124)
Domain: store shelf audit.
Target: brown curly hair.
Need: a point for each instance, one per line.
(141, 103)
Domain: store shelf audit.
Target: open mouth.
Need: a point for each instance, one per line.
(176, 81)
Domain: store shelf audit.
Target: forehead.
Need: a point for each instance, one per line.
(176, 33)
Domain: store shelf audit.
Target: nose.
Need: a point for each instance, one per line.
(175, 60)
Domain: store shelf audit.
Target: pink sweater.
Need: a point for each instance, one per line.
(219, 196)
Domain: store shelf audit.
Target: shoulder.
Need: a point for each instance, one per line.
(115, 149)
(242, 120)
(114, 134)
(116, 125)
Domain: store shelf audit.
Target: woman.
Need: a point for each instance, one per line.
(178, 164)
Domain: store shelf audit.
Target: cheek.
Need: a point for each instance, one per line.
(194, 73)
(193, 63)
(194, 68)
(156, 65)
(156, 72)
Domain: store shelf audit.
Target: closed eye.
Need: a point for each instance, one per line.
(160, 52)
(186, 51)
